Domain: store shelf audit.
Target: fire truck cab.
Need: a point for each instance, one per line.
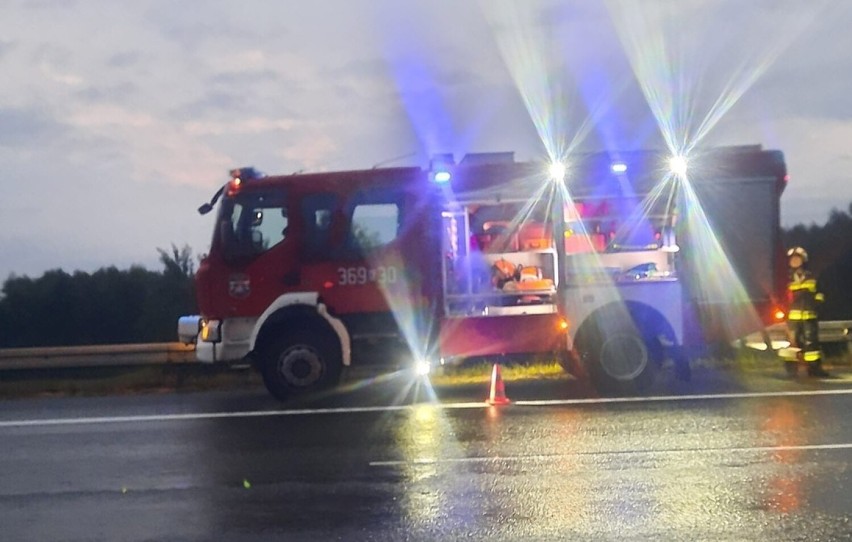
(485, 257)
(303, 266)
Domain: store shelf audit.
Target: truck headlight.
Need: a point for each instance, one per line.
(211, 331)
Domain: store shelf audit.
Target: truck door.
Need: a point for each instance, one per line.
(366, 264)
(259, 252)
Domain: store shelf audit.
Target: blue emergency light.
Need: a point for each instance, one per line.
(440, 165)
(442, 177)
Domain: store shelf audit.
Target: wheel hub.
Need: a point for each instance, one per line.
(624, 356)
(300, 366)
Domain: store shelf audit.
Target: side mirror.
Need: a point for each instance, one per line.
(204, 209)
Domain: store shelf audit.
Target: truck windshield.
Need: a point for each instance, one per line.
(252, 223)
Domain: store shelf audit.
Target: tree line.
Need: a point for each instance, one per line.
(136, 305)
(829, 248)
(109, 306)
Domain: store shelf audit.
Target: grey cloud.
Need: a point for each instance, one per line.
(243, 78)
(124, 59)
(826, 93)
(192, 24)
(455, 78)
(808, 210)
(827, 100)
(5, 48)
(379, 68)
(213, 102)
(27, 127)
(771, 7)
(48, 52)
(190, 35)
(373, 67)
(114, 93)
(585, 13)
(50, 4)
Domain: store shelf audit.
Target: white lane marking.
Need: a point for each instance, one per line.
(401, 408)
(696, 397)
(219, 415)
(555, 457)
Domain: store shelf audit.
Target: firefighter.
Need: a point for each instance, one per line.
(803, 318)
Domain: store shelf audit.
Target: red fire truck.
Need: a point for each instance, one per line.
(605, 262)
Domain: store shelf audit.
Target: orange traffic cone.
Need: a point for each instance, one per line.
(498, 389)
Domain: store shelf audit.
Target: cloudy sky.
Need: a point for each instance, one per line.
(118, 118)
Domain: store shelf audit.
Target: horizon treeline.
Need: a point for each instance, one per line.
(829, 248)
(136, 305)
(109, 306)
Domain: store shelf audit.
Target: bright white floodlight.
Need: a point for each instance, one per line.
(678, 165)
(556, 171)
(422, 367)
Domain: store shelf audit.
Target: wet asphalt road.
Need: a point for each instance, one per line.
(769, 463)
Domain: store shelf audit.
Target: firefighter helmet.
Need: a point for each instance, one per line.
(798, 251)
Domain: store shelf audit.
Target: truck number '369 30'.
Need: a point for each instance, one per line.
(354, 276)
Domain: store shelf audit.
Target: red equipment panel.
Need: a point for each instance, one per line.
(511, 334)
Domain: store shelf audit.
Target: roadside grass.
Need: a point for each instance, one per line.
(123, 380)
(511, 372)
(192, 377)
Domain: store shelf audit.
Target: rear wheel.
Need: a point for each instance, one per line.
(618, 358)
(300, 361)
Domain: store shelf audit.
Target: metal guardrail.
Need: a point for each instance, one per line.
(124, 355)
(838, 331)
(113, 355)
(829, 332)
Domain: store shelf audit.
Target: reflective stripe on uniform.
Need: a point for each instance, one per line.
(819, 297)
(813, 355)
(809, 285)
(796, 314)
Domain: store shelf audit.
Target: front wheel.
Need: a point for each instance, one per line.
(300, 362)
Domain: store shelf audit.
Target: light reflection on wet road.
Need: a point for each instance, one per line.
(756, 468)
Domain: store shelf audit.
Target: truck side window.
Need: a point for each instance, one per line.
(374, 225)
(269, 225)
(255, 224)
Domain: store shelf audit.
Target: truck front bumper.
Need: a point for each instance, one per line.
(226, 341)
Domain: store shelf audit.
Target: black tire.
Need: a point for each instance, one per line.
(616, 356)
(299, 362)
(572, 364)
